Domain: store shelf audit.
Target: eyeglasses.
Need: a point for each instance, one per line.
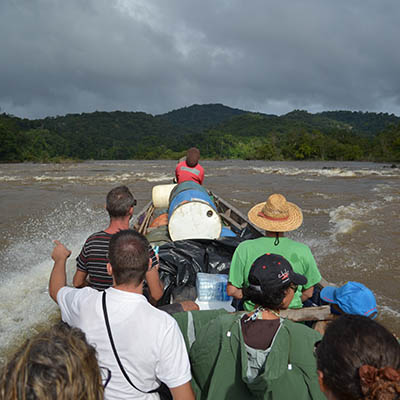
(316, 344)
(105, 376)
(294, 287)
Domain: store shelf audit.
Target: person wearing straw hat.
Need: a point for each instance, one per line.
(276, 216)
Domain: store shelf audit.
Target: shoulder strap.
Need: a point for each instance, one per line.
(115, 350)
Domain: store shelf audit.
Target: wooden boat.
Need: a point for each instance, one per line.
(242, 227)
(230, 215)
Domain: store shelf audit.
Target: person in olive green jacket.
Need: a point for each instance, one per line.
(258, 355)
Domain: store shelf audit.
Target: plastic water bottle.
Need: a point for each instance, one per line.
(212, 287)
(223, 293)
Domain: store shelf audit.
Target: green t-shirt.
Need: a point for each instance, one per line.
(298, 254)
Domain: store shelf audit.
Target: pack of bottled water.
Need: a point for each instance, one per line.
(212, 287)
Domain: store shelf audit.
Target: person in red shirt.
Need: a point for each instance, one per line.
(190, 169)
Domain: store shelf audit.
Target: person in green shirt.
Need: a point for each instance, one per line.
(255, 355)
(276, 216)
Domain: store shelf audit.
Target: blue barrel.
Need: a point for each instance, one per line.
(188, 191)
(187, 185)
(192, 214)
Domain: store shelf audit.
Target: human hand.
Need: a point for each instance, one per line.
(189, 305)
(154, 258)
(157, 264)
(60, 252)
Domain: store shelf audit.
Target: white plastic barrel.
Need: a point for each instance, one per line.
(160, 195)
(194, 219)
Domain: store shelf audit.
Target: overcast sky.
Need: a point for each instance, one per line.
(270, 56)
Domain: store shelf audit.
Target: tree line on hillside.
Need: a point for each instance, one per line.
(219, 132)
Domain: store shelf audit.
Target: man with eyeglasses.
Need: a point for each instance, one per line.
(257, 354)
(93, 258)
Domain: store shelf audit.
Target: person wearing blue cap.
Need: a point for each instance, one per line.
(352, 298)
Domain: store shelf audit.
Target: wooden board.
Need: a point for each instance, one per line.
(322, 313)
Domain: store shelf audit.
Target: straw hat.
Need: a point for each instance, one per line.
(276, 215)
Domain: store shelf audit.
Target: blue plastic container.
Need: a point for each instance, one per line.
(226, 232)
(212, 287)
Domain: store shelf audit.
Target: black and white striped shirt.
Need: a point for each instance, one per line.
(93, 260)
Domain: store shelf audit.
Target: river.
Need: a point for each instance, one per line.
(351, 222)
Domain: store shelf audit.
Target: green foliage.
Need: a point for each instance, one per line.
(387, 144)
(10, 140)
(368, 123)
(219, 132)
(198, 118)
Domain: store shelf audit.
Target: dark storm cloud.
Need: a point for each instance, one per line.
(154, 56)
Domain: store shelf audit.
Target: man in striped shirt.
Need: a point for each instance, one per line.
(93, 258)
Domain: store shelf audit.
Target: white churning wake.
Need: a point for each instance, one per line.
(326, 172)
(92, 180)
(26, 265)
(345, 218)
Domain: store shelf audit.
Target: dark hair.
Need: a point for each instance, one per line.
(119, 201)
(192, 156)
(353, 341)
(128, 252)
(272, 298)
(57, 364)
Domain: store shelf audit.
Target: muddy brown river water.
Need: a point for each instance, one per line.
(351, 222)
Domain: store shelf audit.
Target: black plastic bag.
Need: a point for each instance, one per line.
(181, 261)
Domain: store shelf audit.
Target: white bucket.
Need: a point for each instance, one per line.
(194, 220)
(160, 195)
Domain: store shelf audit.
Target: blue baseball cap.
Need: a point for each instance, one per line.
(352, 298)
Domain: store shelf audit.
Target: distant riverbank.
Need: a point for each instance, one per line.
(220, 132)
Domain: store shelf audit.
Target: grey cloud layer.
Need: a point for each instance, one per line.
(154, 56)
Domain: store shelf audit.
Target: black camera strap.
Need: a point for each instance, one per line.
(115, 350)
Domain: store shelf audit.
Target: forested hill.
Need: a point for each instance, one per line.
(369, 123)
(219, 132)
(198, 118)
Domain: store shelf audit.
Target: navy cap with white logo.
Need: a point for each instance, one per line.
(272, 271)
